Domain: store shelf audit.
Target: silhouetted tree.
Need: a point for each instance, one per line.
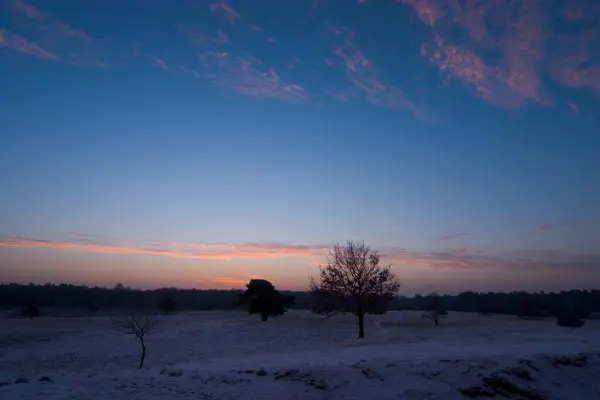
(435, 307)
(262, 298)
(166, 305)
(354, 280)
(92, 306)
(138, 325)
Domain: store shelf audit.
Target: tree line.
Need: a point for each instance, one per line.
(170, 299)
(352, 281)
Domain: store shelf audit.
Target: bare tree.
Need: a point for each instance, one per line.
(435, 308)
(354, 279)
(138, 325)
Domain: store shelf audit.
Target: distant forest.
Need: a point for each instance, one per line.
(95, 299)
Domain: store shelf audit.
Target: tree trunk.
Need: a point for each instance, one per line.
(143, 354)
(264, 316)
(436, 319)
(361, 321)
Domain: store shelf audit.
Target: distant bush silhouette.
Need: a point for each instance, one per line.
(138, 325)
(31, 311)
(92, 306)
(527, 309)
(262, 298)
(166, 305)
(354, 281)
(435, 308)
(570, 320)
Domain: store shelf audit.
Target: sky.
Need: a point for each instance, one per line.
(199, 144)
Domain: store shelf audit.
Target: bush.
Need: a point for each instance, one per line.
(30, 311)
(570, 320)
(166, 305)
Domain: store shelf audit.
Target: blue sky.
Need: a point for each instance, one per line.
(201, 143)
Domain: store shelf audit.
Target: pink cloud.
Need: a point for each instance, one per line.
(522, 261)
(206, 251)
(455, 259)
(516, 30)
(226, 11)
(255, 28)
(573, 107)
(158, 62)
(248, 76)
(58, 27)
(206, 40)
(453, 235)
(295, 61)
(235, 281)
(571, 224)
(22, 45)
(328, 61)
(458, 252)
(362, 73)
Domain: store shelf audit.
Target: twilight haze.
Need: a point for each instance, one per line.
(201, 143)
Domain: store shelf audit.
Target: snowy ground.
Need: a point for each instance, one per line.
(230, 355)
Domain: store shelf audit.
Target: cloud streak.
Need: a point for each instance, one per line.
(53, 39)
(457, 259)
(562, 225)
(453, 235)
(225, 10)
(18, 43)
(364, 76)
(58, 27)
(158, 62)
(502, 50)
(516, 261)
(249, 76)
(206, 251)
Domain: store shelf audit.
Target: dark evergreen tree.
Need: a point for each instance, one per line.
(435, 307)
(166, 305)
(262, 298)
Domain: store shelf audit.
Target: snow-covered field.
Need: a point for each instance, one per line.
(231, 355)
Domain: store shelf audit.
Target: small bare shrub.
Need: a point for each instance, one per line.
(138, 325)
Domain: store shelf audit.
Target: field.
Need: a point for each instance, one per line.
(231, 355)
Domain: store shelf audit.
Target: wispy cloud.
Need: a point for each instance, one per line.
(249, 76)
(55, 39)
(206, 251)
(56, 26)
(466, 36)
(218, 38)
(368, 79)
(452, 235)
(561, 225)
(158, 62)
(521, 261)
(225, 10)
(460, 259)
(235, 281)
(17, 43)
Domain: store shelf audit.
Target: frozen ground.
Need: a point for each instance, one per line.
(230, 355)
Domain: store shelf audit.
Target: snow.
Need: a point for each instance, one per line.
(231, 355)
